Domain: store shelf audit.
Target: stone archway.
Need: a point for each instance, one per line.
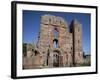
(57, 58)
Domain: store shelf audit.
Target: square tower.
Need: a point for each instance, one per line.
(76, 29)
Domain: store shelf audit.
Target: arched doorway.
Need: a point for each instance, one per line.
(56, 58)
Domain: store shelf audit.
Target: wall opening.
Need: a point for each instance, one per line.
(55, 43)
(55, 59)
(55, 33)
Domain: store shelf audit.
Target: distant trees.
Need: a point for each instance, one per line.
(24, 49)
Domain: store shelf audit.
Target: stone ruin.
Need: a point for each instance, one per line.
(59, 45)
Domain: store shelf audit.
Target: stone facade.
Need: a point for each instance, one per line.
(59, 45)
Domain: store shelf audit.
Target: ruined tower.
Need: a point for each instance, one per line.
(76, 29)
(59, 45)
(55, 42)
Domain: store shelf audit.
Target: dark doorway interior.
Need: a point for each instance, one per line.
(56, 59)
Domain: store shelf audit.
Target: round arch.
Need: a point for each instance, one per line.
(57, 58)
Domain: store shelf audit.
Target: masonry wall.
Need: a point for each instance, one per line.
(62, 49)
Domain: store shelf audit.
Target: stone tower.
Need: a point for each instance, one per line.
(76, 29)
(55, 41)
(58, 44)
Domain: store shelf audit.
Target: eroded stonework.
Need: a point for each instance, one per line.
(59, 45)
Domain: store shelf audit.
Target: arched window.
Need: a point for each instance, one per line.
(55, 41)
(55, 33)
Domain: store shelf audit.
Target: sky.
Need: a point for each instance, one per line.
(31, 25)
